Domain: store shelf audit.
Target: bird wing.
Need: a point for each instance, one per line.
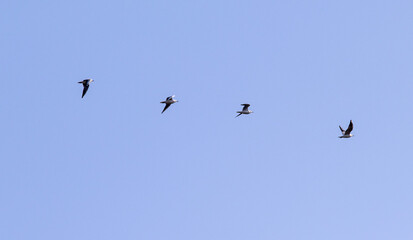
(245, 108)
(170, 97)
(350, 128)
(342, 130)
(166, 107)
(85, 88)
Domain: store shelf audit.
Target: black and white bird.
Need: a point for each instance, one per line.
(168, 102)
(347, 133)
(85, 83)
(244, 110)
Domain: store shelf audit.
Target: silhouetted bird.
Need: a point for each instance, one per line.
(347, 133)
(244, 110)
(85, 83)
(168, 102)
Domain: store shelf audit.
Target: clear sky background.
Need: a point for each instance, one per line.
(111, 166)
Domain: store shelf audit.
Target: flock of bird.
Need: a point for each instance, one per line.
(170, 100)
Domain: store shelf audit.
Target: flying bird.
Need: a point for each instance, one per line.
(85, 83)
(347, 133)
(168, 102)
(244, 110)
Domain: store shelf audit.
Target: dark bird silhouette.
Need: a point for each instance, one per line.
(168, 102)
(244, 110)
(85, 83)
(347, 133)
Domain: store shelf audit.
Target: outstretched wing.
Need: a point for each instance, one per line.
(350, 128)
(166, 107)
(245, 108)
(85, 88)
(170, 97)
(342, 130)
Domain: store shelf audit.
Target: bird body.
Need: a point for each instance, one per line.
(347, 133)
(168, 102)
(85, 83)
(244, 110)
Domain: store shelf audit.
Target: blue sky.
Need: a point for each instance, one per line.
(110, 166)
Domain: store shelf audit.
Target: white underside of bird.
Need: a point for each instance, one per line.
(245, 112)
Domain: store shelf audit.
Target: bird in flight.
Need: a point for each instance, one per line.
(347, 133)
(244, 110)
(85, 83)
(168, 102)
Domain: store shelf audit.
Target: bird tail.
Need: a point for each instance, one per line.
(238, 115)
